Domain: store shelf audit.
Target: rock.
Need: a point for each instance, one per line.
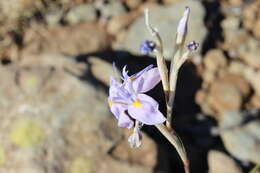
(120, 22)
(81, 13)
(255, 101)
(142, 156)
(249, 52)
(171, 1)
(14, 9)
(53, 16)
(110, 9)
(224, 97)
(70, 40)
(251, 18)
(165, 19)
(208, 77)
(237, 67)
(241, 137)
(202, 100)
(237, 81)
(224, 93)
(27, 133)
(233, 34)
(252, 77)
(235, 2)
(56, 127)
(221, 163)
(101, 69)
(132, 4)
(215, 60)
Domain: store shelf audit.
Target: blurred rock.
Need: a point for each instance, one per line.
(171, 1)
(224, 97)
(120, 22)
(53, 16)
(81, 13)
(165, 19)
(233, 2)
(249, 52)
(241, 135)
(14, 9)
(253, 77)
(251, 18)
(101, 69)
(110, 8)
(233, 34)
(56, 128)
(214, 60)
(202, 100)
(237, 67)
(70, 40)
(221, 163)
(132, 4)
(144, 155)
(237, 81)
(255, 101)
(208, 77)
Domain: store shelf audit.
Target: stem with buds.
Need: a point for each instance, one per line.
(169, 87)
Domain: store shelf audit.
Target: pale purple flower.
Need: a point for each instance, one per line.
(127, 101)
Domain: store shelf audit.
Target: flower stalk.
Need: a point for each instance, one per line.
(159, 54)
(169, 81)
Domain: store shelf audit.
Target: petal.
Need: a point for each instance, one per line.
(140, 73)
(125, 73)
(150, 79)
(117, 109)
(118, 90)
(116, 71)
(125, 121)
(147, 112)
(114, 85)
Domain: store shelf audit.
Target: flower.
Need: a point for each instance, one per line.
(127, 101)
(147, 47)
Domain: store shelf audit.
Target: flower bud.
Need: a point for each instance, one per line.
(147, 47)
(135, 139)
(182, 27)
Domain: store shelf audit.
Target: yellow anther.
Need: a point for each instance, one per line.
(137, 104)
(110, 102)
(132, 78)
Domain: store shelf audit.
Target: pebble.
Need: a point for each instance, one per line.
(219, 162)
(242, 140)
(215, 60)
(81, 13)
(224, 97)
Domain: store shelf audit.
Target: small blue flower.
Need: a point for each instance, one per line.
(193, 46)
(147, 47)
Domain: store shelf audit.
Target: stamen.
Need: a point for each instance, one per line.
(110, 102)
(132, 78)
(137, 104)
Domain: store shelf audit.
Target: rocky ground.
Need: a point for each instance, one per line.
(56, 59)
